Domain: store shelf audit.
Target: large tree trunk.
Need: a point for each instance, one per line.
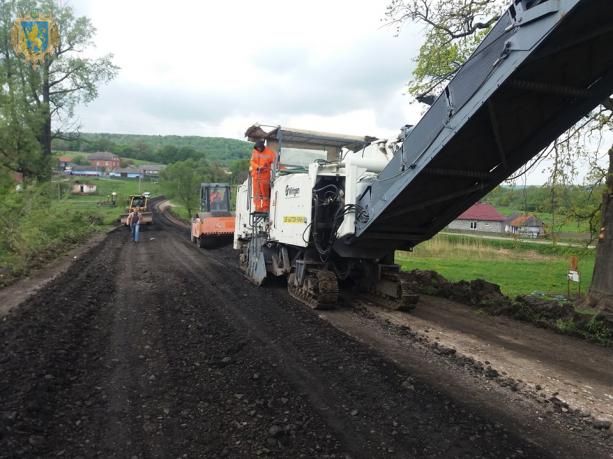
(601, 290)
(46, 128)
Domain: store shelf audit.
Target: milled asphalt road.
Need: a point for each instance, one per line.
(159, 349)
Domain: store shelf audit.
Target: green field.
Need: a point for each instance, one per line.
(517, 268)
(105, 186)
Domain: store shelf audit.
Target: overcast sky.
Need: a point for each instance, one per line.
(213, 68)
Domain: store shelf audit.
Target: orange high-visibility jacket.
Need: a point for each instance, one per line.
(262, 161)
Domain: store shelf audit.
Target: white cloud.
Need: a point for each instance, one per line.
(213, 68)
(203, 67)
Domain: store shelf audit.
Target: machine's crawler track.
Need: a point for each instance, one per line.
(319, 290)
(406, 303)
(402, 299)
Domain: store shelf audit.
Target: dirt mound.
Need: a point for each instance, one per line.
(539, 309)
(478, 293)
(547, 308)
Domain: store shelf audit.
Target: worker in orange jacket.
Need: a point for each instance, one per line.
(262, 159)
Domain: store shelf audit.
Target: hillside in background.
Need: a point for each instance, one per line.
(157, 148)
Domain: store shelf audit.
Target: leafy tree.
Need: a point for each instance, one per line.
(81, 161)
(168, 153)
(453, 30)
(19, 124)
(181, 181)
(123, 163)
(42, 100)
(240, 170)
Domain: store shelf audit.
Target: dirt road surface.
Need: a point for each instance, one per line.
(574, 371)
(160, 349)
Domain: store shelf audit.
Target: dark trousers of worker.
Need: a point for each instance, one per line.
(261, 192)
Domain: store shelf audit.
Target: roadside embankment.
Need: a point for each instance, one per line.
(543, 311)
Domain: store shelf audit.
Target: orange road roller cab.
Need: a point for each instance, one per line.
(213, 225)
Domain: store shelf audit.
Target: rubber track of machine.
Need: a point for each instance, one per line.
(407, 300)
(327, 288)
(323, 291)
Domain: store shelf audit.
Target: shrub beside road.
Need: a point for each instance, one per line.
(44, 221)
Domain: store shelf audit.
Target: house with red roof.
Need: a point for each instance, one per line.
(105, 160)
(480, 217)
(64, 162)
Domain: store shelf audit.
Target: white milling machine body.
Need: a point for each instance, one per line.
(341, 205)
(316, 181)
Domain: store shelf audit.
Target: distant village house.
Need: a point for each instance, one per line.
(480, 217)
(105, 160)
(64, 162)
(83, 188)
(525, 225)
(18, 179)
(128, 172)
(151, 170)
(86, 171)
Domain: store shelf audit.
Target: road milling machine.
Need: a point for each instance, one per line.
(341, 205)
(138, 202)
(213, 225)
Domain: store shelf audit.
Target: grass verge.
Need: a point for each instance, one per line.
(45, 221)
(518, 268)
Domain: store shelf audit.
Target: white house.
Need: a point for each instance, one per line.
(481, 217)
(83, 188)
(525, 225)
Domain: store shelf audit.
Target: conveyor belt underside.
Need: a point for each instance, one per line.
(562, 79)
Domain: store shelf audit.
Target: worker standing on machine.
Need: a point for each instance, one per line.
(262, 159)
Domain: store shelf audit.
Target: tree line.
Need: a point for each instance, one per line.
(564, 199)
(159, 149)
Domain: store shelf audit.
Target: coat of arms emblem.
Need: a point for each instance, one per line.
(34, 38)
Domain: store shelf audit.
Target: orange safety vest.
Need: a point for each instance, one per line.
(262, 160)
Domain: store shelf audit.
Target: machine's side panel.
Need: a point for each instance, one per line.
(241, 222)
(290, 209)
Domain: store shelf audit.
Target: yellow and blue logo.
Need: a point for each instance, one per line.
(34, 38)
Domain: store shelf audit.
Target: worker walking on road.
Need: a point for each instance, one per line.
(134, 222)
(262, 159)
